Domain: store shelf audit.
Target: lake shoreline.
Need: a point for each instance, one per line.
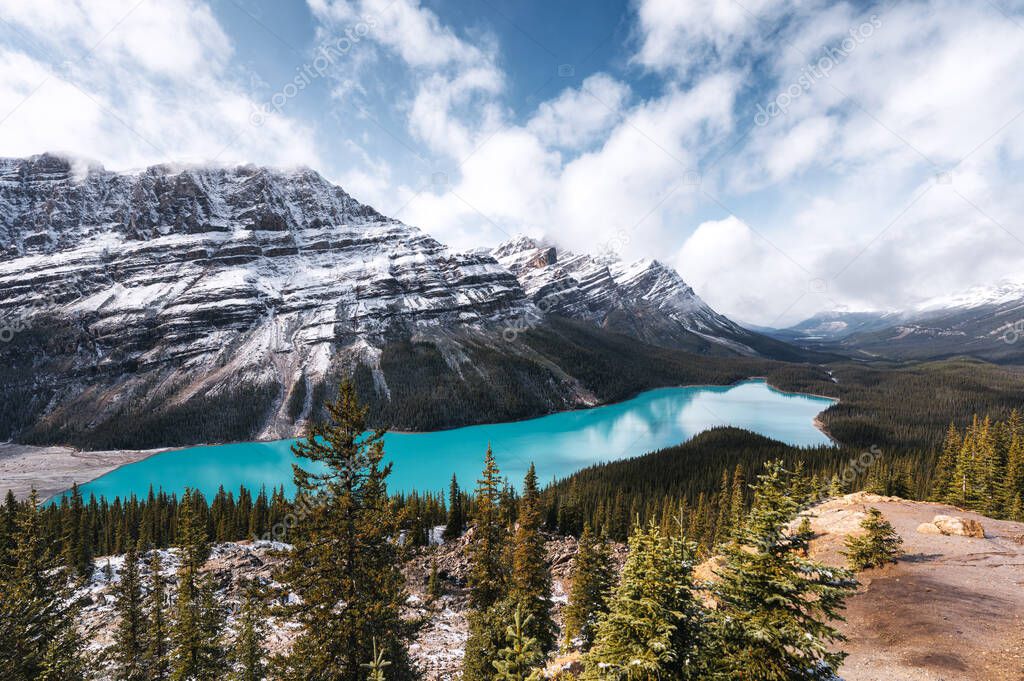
(53, 469)
(33, 466)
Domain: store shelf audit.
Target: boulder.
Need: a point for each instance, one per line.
(962, 527)
(953, 526)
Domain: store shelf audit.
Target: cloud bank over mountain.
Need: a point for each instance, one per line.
(786, 157)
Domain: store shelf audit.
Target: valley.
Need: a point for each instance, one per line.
(218, 312)
(983, 322)
(435, 340)
(143, 301)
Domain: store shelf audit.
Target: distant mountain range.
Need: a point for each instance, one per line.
(181, 305)
(984, 322)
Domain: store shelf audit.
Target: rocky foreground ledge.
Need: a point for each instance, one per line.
(951, 608)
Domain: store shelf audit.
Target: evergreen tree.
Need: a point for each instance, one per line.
(521, 657)
(259, 514)
(486, 629)
(487, 572)
(530, 581)
(880, 544)
(8, 526)
(130, 638)
(739, 492)
(156, 655)
(774, 606)
(247, 652)
(197, 652)
(434, 587)
(655, 628)
(1014, 501)
(803, 487)
(964, 488)
(836, 488)
(488, 578)
(77, 550)
(723, 501)
(345, 564)
(593, 576)
(453, 529)
(38, 638)
(379, 664)
(945, 467)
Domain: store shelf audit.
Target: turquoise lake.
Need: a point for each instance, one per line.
(558, 443)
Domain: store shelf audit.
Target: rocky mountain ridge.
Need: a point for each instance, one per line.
(235, 297)
(644, 299)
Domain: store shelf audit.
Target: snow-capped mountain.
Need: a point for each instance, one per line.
(222, 303)
(985, 322)
(999, 294)
(645, 298)
(835, 325)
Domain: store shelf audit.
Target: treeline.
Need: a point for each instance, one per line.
(233, 415)
(982, 467)
(84, 529)
(705, 483)
(696, 480)
(909, 406)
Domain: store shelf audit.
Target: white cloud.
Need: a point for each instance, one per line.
(829, 182)
(172, 38)
(804, 144)
(579, 117)
(835, 176)
(434, 115)
(412, 31)
(736, 269)
(618, 194)
(454, 80)
(685, 34)
(131, 84)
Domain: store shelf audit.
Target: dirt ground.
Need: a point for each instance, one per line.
(952, 609)
(52, 470)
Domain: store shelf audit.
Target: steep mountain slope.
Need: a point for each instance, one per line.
(180, 305)
(245, 284)
(644, 299)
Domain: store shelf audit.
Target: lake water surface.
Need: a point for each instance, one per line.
(558, 443)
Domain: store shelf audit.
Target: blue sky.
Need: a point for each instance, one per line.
(785, 157)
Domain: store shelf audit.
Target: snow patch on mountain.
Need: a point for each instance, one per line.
(1001, 293)
(652, 296)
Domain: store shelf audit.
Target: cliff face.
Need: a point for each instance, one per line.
(182, 282)
(182, 264)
